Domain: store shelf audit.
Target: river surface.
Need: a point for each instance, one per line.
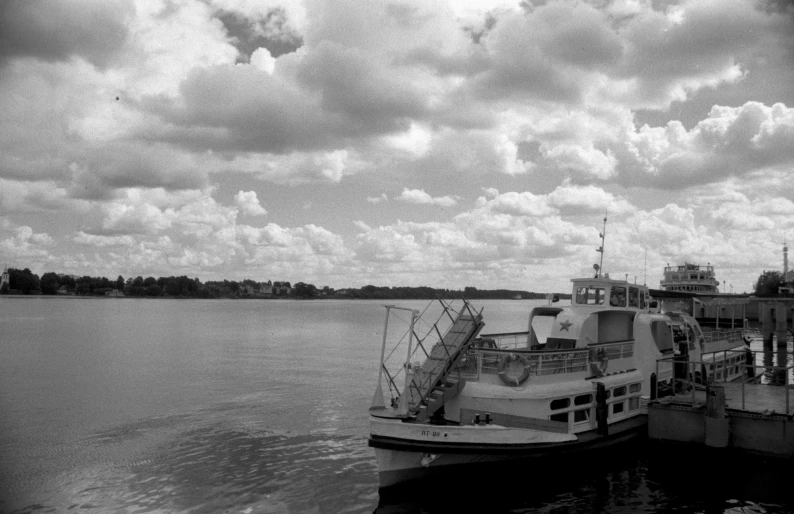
(136, 405)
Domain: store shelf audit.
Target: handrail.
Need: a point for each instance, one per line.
(543, 362)
(524, 332)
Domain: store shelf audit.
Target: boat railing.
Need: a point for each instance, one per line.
(732, 336)
(693, 383)
(508, 340)
(490, 361)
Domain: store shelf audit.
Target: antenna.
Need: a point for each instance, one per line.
(645, 268)
(603, 234)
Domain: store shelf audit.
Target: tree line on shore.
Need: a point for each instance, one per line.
(51, 283)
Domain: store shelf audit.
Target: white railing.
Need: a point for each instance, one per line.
(508, 340)
(733, 336)
(488, 361)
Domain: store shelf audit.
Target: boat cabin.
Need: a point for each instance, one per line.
(606, 293)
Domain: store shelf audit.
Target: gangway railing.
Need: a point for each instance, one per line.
(429, 358)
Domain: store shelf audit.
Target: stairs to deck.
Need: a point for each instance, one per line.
(431, 385)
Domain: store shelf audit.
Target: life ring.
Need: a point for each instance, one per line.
(602, 361)
(507, 362)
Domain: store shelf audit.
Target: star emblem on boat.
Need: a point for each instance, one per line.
(565, 325)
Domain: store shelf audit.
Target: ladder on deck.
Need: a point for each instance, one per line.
(430, 387)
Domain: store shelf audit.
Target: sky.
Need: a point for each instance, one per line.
(396, 143)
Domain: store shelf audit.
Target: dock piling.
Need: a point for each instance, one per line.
(781, 328)
(766, 312)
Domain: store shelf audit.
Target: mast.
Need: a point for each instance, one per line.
(600, 249)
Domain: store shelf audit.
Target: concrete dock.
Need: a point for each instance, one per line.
(744, 415)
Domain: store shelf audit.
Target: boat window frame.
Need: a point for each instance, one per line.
(588, 293)
(615, 293)
(566, 401)
(578, 400)
(634, 294)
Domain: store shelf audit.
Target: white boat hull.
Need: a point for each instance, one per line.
(410, 451)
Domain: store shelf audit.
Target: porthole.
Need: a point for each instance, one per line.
(583, 399)
(560, 403)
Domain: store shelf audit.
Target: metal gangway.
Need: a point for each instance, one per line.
(430, 358)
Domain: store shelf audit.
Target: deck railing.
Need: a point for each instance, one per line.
(733, 335)
(487, 361)
(508, 340)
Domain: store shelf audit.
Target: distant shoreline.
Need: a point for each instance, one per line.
(90, 297)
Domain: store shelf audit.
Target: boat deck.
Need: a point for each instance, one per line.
(754, 398)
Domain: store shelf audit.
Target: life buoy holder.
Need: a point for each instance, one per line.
(599, 367)
(506, 362)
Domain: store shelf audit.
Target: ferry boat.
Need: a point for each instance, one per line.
(692, 278)
(469, 398)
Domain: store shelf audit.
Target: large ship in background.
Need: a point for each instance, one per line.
(690, 278)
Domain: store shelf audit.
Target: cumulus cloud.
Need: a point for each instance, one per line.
(420, 197)
(249, 203)
(731, 141)
(101, 241)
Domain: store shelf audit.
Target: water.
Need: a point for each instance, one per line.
(261, 407)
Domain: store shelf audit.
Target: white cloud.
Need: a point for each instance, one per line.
(418, 196)
(378, 199)
(102, 241)
(249, 203)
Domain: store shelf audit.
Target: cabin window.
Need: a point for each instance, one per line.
(590, 295)
(635, 388)
(581, 415)
(560, 403)
(634, 297)
(620, 391)
(634, 403)
(643, 299)
(617, 408)
(560, 416)
(617, 297)
(583, 399)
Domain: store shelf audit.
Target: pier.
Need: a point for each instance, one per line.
(743, 415)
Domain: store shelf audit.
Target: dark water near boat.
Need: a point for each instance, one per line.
(261, 407)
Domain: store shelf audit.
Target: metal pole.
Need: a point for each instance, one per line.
(656, 385)
(743, 381)
(724, 365)
(787, 392)
(377, 398)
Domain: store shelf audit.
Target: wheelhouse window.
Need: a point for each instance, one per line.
(590, 295)
(618, 297)
(634, 297)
